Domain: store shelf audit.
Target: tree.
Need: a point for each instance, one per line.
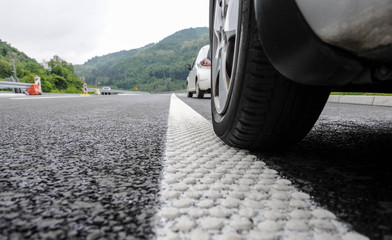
(63, 78)
(5, 69)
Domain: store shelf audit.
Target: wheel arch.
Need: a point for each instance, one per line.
(211, 16)
(196, 80)
(297, 53)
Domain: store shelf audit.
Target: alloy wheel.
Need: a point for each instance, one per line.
(224, 52)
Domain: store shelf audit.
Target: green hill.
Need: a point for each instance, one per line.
(60, 77)
(153, 68)
(25, 66)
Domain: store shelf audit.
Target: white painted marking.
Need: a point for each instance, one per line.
(36, 98)
(213, 191)
(11, 95)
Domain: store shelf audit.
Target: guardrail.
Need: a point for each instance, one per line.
(114, 91)
(4, 84)
(11, 80)
(19, 87)
(107, 92)
(110, 92)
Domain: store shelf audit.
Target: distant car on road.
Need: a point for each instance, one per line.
(274, 63)
(199, 78)
(105, 90)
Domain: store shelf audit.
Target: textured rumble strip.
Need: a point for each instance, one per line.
(212, 191)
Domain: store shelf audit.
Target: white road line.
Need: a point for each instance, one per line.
(212, 191)
(54, 97)
(8, 95)
(37, 98)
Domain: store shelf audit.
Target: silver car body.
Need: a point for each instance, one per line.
(355, 25)
(329, 43)
(200, 73)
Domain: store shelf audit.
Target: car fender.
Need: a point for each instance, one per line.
(188, 84)
(204, 80)
(297, 53)
(192, 79)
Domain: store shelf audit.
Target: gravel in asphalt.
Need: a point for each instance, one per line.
(81, 168)
(89, 168)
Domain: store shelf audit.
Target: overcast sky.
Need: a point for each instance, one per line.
(77, 30)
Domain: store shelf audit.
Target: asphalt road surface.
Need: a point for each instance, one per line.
(82, 167)
(90, 167)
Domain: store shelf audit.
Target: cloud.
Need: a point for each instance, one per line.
(47, 28)
(78, 30)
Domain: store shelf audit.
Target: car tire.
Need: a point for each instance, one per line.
(189, 94)
(199, 93)
(253, 105)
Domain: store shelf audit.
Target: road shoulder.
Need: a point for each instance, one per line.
(385, 101)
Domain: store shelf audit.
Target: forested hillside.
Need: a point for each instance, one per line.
(59, 77)
(153, 68)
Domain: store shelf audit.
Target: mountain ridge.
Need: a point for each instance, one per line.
(155, 67)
